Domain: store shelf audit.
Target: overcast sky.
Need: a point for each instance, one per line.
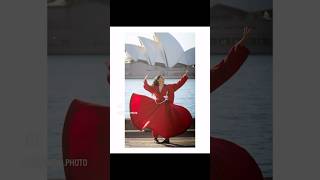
(250, 5)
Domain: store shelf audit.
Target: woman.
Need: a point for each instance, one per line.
(160, 115)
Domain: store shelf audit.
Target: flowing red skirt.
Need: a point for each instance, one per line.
(85, 141)
(86, 136)
(229, 161)
(165, 119)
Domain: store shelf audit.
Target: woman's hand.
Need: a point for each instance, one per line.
(246, 32)
(146, 77)
(186, 71)
(245, 36)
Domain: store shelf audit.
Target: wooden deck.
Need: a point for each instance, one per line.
(149, 142)
(144, 139)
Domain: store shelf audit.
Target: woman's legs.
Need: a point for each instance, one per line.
(167, 141)
(155, 135)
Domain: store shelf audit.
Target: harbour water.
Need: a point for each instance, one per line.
(241, 109)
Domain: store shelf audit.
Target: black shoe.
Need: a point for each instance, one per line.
(166, 141)
(156, 141)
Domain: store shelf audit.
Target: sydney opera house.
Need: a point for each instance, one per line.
(162, 54)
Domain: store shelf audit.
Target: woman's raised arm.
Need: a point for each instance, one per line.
(181, 82)
(146, 86)
(237, 55)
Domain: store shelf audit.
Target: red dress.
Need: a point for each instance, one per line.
(160, 115)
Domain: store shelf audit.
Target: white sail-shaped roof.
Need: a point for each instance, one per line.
(164, 49)
(171, 47)
(153, 51)
(136, 53)
(188, 58)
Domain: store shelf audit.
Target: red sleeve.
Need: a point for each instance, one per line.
(148, 87)
(221, 72)
(180, 83)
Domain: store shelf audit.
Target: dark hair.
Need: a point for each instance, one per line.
(155, 81)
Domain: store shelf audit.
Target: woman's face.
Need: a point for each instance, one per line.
(161, 80)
